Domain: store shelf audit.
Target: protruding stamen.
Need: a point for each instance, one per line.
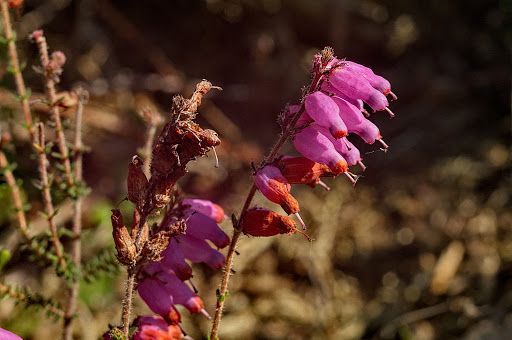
(346, 143)
(323, 185)
(366, 113)
(205, 313)
(309, 238)
(386, 147)
(389, 111)
(216, 158)
(363, 167)
(393, 95)
(301, 221)
(349, 175)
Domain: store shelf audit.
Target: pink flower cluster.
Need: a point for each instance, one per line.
(333, 109)
(163, 285)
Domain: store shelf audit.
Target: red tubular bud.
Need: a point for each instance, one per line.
(274, 186)
(137, 181)
(263, 222)
(300, 170)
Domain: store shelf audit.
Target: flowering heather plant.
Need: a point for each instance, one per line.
(156, 255)
(155, 258)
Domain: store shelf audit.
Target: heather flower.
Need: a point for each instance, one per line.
(274, 186)
(317, 147)
(264, 222)
(357, 123)
(163, 289)
(198, 250)
(202, 227)
(325, 112)
(6, 335)
(379, 83)
(156, 328)
(210, 209)
(352, 84)
(300, 170)
(173, 258)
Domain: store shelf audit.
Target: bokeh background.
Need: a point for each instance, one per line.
(420, 248)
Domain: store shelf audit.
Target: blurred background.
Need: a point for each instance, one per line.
(420, 248)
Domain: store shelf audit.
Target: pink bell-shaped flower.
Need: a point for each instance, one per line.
(379, 83)
(274, 186)
(156, 328)
(315, 146)
(325, 112)
(353, 85)
(198, 250)
(202, 227)
(210, 209)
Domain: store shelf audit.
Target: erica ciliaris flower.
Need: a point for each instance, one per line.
(163, 283)
(330, 113)
(6, 335)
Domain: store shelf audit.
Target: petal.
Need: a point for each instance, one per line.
(210, 209)
(325, 112)
(197, 250)
(203, 227)
(355, 86)
(318, 148)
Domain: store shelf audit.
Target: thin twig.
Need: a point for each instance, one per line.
(45, 191)
(49, 83)
(76, 250)
(152, 120)
(237, 230)
(15, 193)
(18, 78)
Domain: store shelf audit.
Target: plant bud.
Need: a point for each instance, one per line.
(263, 222)
(325, 112)
(274, 186)
(300, 170)
(126, 251)
(137, 181)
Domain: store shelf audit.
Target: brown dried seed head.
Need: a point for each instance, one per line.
(126, 251)
(156, 245)
(137, 181)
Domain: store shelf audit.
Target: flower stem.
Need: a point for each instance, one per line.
(16, 70)
(287, 133)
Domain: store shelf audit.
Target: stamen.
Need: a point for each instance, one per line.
(349, 175)
(216, 158)
(309, 238)
(301, 221)
(383, 144)
(346, 143)
(363, 167)
(205, 313)
(323, 185)
(389, 111)
(366, 113)
(393, 95)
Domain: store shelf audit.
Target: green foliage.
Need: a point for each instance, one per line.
(101, 264)
(27, 298)
(221, 298)
(41, 250)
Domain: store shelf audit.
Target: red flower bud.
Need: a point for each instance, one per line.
(276, 188)
(300, 170)
(263, 222)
